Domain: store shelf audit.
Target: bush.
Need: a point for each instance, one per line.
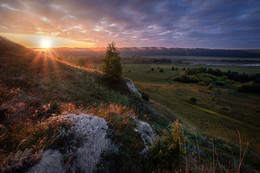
(220, 83)
(187, 78)
(207, 78)
(152, 69)
(249, 87)
(161, 70)
(112, 67)
(166, 150)
(172, 68)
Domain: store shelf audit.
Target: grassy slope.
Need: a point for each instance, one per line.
(43, 80)
(32, 84)
(214, 115)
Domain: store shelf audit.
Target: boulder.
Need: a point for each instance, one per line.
(89, 140)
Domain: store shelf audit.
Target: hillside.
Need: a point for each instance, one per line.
(36, 86)
(56, 116)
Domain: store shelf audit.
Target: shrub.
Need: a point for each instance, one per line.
(208, 78)
(220, 83)
(161, 70)
(166, 149)
(112, 67)
(152, 69)
(172, 68)
(249, 87)
(120, 119)
(187, 78)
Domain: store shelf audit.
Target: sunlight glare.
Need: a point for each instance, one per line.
(45, 43)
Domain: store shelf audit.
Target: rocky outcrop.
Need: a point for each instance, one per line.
(88, 143)
(51, 161)
(132, 87)
(146, 133)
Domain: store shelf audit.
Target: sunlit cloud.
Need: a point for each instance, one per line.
(182, 23)
(37, 41)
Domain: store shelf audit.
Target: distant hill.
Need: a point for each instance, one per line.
(146, 51)
(162, 51)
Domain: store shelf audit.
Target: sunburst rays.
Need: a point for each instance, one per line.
(46, 64)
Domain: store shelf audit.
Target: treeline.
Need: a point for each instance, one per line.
(148, 51)
(242, 78)
(145, 51)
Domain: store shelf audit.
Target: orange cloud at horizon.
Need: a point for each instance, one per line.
(35, 41)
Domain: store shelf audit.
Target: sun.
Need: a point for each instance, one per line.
(45, 43)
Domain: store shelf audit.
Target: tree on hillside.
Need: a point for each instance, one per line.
(112, 67)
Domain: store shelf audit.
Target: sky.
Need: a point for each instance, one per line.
(132, 23)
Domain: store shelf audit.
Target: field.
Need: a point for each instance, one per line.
(37, 85)
(219, 112)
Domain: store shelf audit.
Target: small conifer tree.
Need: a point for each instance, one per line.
(112, 67)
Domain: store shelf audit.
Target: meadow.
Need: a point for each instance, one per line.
(215, 120)
(219, 112)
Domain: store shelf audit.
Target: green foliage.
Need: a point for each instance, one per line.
(208, 78)
(187, 78)
(112, 67)
(130, 144)
(172, 68)
(220, 83)
(166, 149)
(152, 69)
(249, 87)
(161, 70)
(225, 75)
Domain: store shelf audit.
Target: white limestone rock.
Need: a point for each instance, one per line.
(51, 162)
(146, 132)
(90, 141)
(132, 87)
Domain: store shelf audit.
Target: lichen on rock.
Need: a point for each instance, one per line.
(90, 140)
(51, 162)
(146, 133)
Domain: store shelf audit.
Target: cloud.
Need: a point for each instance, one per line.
(179, 23)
